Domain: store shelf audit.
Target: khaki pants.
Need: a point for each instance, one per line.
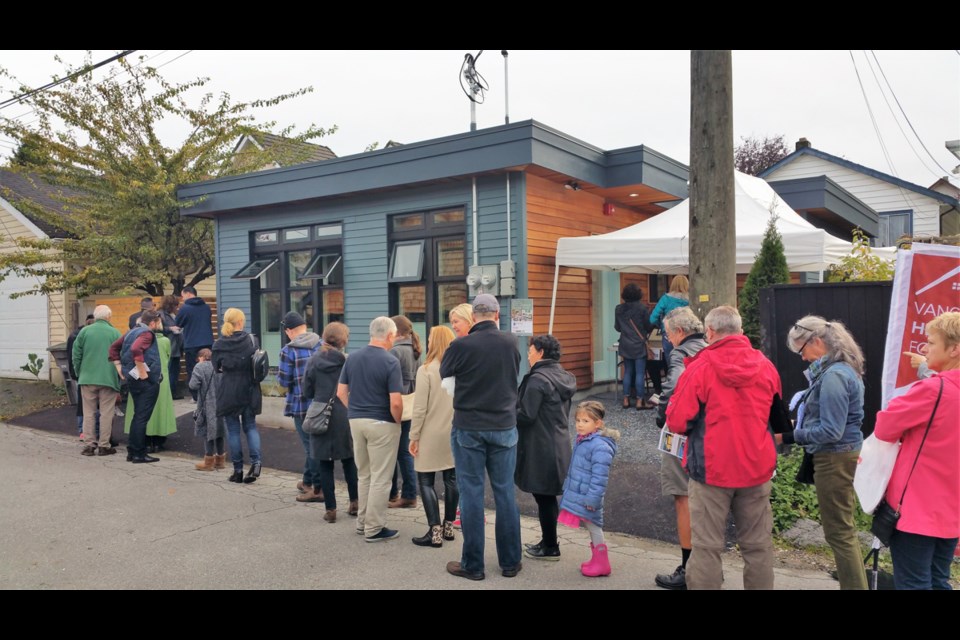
(105, 399)
(375, 445)
(753, 516)
(833, 478)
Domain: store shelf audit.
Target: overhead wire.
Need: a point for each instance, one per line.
(17, 99)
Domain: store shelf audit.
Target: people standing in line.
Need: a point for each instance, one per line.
(486, 365)
(370, 387)
(97, 380)
(632, 320)
(677, 297)
(586, 483)
(163, 418)
(406, 349)
(543, 447)
(194, 322)
(168, 315)
(146, 304)
(828, 428)
(925, 484)
(430, 430)
(238, 395)
(685, 331)
(294, 355)
(722, 403)
(71, 340)
(207, 425)
(137, 358)
(320, 384)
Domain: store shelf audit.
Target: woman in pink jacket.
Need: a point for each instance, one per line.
(926, 535)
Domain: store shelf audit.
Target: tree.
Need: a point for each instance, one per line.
(861, 265)
(753, 155)
(97, 139)
(769, 268)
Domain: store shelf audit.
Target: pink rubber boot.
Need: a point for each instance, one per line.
(599, 564)
(584, 565)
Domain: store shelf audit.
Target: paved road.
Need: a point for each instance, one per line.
(75, 522)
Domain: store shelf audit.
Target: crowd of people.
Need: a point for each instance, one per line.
(399, 414)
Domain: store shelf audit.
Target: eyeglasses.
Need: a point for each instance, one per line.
(803, 328)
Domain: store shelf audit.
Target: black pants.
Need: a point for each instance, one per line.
(548, 509)
(174, 377)
(655, 371)
(326, 480)
(144, 394)
(451, 496)
(213, 447)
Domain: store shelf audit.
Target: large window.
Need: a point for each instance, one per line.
(428, 266)
(294, 269)
(893, 226)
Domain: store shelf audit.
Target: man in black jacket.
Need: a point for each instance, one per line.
(486, 365)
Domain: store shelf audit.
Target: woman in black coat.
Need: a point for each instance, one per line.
(320, 383)
(632, 320)
(543, 448)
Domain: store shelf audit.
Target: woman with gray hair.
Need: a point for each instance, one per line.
(829, 416)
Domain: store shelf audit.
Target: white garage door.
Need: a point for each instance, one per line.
(23, 329)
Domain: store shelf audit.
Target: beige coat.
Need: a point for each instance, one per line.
(432, 421)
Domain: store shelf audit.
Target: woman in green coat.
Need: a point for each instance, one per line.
(163, 420)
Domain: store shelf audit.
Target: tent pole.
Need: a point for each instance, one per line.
(553, 300)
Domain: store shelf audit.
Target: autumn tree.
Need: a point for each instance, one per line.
(769, 268)
(753, 155)
(861, 264)
(97, 140)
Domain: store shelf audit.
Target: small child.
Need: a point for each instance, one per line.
(586, 482)
(206, 423)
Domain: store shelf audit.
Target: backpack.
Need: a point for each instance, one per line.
(259, 360)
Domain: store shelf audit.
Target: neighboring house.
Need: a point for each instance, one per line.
(293, 152)
(903, 208)
(32, 323)
(400, 229)
(949, 215)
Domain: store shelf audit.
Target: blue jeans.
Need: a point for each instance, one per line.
(404, 466)
(311, 472)
(495, 452)
(633, 372)
(144, 394)
(248, 424)
(921, 562)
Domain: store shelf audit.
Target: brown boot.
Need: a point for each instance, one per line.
(403, 503)
(310, 496)
(206, 465)
(220, 461)
(330, 516)
(353, 509)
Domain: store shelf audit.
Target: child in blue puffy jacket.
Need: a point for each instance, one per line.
(586, 482)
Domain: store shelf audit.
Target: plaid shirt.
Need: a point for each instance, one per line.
(293, 364)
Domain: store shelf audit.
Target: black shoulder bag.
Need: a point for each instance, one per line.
(885, 517)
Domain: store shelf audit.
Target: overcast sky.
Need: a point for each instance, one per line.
(610, 99)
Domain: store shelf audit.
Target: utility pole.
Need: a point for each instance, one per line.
(713, 234)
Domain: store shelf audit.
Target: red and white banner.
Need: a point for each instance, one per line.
(926, 284)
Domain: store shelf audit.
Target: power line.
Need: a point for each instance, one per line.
(17, 99)
(895, 99)
(883, 147)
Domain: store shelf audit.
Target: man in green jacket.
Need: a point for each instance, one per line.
(98, 380)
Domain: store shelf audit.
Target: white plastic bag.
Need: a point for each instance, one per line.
(874, 468)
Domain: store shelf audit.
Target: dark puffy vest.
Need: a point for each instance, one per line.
(151, 357)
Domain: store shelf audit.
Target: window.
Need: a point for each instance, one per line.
(255, 268)
(325, 266)
(894, 225)
(406, 264)
(265, 237)
(428, 266)
(296, 235)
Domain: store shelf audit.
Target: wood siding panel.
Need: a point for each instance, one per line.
(553, 213)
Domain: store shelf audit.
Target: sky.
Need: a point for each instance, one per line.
(609, 99)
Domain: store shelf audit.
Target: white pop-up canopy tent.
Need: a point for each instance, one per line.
(661, 244)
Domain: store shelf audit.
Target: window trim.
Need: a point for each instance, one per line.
(890, 214)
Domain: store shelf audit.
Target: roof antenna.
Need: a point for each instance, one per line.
(506, 88)
(473, 85)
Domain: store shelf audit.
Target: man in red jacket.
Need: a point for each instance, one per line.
(722, 403)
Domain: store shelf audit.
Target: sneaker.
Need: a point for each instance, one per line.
(654, 399)
(106, 451)
(118, 412)
(543, 552)
(384, 534)
(677, 581)
(89, 450)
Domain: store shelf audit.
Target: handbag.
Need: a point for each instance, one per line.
(317, 420)
(407, 406)
(874, 468)
(805, 472)
(644, 339)
(885, 517)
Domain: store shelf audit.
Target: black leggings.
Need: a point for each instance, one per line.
(451, 496)
(211, 447)
(548, 509)
(326, 480)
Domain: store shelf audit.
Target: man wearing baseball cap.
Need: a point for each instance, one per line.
(486, 365)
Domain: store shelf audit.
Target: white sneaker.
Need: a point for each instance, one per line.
(117, 412)
(654, 399)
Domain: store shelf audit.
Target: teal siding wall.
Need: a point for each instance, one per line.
(364, 219)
